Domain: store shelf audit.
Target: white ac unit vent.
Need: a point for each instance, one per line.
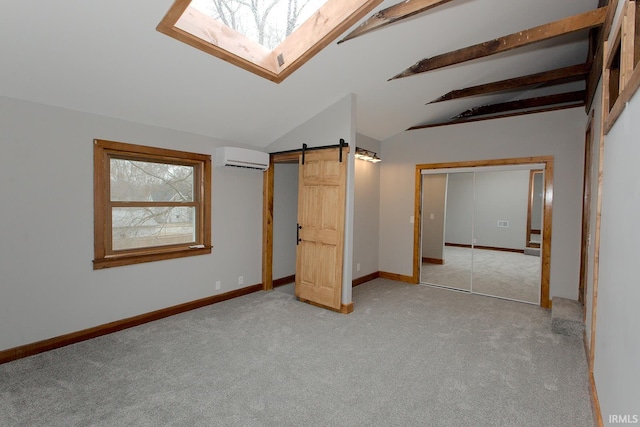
(241, 158)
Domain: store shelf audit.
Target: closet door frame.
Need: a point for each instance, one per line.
(545, 302)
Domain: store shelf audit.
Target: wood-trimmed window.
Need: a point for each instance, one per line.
(622, 64)
(150, 204)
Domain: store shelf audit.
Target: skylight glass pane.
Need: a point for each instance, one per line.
(268, 22)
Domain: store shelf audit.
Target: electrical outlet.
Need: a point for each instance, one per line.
(218, 285)
(240, 280)
(358, 267)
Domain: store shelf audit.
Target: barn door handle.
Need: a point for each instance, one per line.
(298, 228)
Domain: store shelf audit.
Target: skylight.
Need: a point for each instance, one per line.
(271, 38)
(267, 23)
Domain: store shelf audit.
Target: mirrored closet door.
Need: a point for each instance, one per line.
(447, 222)
(476, 232)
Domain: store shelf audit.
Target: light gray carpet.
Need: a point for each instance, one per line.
(408, 356)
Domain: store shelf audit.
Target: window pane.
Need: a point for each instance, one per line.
(158, 226)
(136, 181)
(267, 24)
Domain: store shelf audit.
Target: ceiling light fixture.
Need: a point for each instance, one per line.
(367, 155)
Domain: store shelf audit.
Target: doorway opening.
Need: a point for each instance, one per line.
(483, 233)
(319, 231)
(285, 216)
(268, 283)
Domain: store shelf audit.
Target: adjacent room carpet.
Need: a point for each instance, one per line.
(407, 356)
(497, 273)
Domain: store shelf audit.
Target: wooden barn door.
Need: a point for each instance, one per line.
(321, 215)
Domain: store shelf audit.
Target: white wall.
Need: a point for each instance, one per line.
(617, 343)
(366, 211)
(48, 287)
(558, 133)
(327, 128)
(285, 218)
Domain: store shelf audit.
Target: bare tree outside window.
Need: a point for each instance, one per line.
(268, 22)
(140, 181)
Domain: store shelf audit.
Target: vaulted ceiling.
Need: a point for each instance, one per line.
(106, 57)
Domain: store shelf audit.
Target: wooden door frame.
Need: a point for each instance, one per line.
(267, 214)
(292, 156)
(545, 302)
(586, 211)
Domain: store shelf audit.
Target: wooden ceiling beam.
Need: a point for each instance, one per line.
(583, 21)
(395, 13)
(522, 104)
(549, 78)
(497, 116)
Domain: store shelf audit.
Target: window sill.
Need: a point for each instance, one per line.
(120, 260)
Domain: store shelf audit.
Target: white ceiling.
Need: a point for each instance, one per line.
(105, 57)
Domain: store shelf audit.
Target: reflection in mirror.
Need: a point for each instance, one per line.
(534, 212)
(447, 219)
(500, 266)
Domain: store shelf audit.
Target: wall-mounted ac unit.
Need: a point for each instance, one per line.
(241, 158)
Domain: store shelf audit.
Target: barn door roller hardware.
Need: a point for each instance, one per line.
(306, 148)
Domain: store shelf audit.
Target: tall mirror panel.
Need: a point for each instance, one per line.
(534, 216)
(447, 220)
(501, 265)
